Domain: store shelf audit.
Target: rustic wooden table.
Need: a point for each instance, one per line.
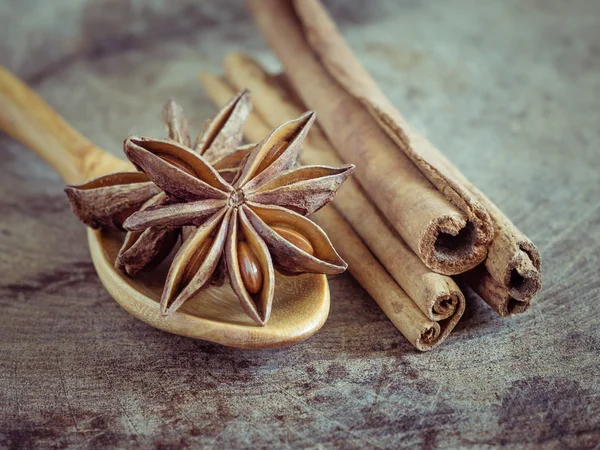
(509, 90)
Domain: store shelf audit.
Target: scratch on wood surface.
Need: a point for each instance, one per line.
(63, 387)
(362, 439)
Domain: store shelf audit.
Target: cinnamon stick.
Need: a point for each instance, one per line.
(446, 227)
(494, 294)
(437, 295)
(432, 292)
(513, 261)
(422, 332)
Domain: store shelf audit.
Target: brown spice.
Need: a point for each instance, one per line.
(322, 63)
(106, 202)
(449, 232)
(435, 304)
(249, 268)
(437, 295)
(236, 217)
(294, 238)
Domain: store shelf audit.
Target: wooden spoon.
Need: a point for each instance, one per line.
(301, 303)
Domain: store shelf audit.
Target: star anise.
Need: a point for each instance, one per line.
(107, 201)
(254, 223)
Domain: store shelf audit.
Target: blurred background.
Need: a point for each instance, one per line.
(509, 90)
(512, 64)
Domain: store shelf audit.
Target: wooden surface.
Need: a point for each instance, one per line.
(509, 90)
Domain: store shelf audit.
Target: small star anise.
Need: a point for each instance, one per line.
(254, 223)
(107, 201)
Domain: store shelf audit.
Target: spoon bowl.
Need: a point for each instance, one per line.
(300, 306)
(301, 303)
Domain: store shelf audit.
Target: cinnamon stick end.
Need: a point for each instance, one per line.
(451, 248)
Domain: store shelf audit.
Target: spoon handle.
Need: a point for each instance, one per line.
(30, 120)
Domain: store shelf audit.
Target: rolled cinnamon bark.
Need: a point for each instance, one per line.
(421, 331)
(437, 295)
(513, 261)
(448, 229)
(494, 294)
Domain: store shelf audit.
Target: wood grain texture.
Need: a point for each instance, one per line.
(508, 90)
(302, 302)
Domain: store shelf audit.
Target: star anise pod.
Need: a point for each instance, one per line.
(255, 223)
(107, 201)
